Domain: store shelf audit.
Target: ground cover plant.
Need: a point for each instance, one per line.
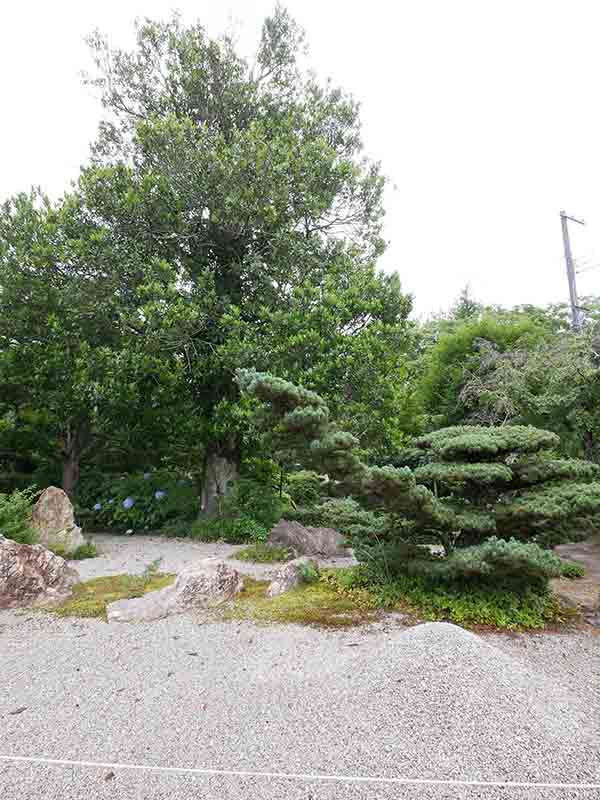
(90, 598)
(263, 553)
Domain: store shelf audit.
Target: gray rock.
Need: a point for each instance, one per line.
(32, 575)
(307, 541)
(206, 584)
(54, 521)
(290, 575)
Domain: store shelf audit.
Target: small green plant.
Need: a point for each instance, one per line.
(570, 569)
(87, 550)
(177, 528)
(310, 572)
(15, 515)
(152, 569)
(262, 553)
(236, 530)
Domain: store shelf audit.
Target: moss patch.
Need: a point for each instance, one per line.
(90, 598)
(263, 553)
(317, 604)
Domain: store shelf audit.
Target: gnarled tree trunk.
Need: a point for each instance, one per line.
(71, 454)
(221, 471)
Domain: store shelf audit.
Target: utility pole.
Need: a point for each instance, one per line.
(575, 313)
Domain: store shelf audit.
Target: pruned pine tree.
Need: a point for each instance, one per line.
(482, 491)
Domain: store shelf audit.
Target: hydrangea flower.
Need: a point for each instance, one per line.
(128, 502)
(147, 476)
(160, 494)
(98, 507)
(111, 501)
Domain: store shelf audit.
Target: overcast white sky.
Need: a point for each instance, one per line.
(484, 113)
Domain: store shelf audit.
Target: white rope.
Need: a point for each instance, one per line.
(296, 776)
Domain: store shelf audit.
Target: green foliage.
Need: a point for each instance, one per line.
(501, 607)
(15, 516)
(87, 550)
(531, 471)
(310, 572)
(304, 487)
(463, 473)
(469, 441)
(571, 569)
(263, 553)
(344, 515)
(458, 352)
(544, 505)
(251, 499)
(233, 530)
(144, 502)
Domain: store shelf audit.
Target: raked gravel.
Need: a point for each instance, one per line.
(132, 554)
(432, 701)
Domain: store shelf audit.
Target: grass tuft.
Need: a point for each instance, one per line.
(90, 598)
(263, 553)
(87, 550)
(571, 569)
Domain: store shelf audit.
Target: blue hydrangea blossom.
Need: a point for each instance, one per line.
(128, 502)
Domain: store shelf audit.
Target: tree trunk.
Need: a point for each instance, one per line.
(221, 470)
(71, 459)
(588, 445)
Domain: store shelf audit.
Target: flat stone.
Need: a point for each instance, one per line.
(290, 575)
(54, 521)
(31, 575)
(206, 584)
(308, 541)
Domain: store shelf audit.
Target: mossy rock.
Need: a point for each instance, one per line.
(90, 598)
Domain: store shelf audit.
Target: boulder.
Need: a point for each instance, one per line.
(54, 521)
(206, 584)
(32, 575)
(307, 541)
(291, 575)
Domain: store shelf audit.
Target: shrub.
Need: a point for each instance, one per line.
(144, 502)
(252, 499)
(87, 550)
(494, 561)
(15, 515)
(237, 530)
(344, 515)
(304, 487)
(503, 605)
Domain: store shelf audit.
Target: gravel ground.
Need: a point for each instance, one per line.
(132, 554)
(432, 701)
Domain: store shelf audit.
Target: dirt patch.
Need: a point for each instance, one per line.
(582, 593)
